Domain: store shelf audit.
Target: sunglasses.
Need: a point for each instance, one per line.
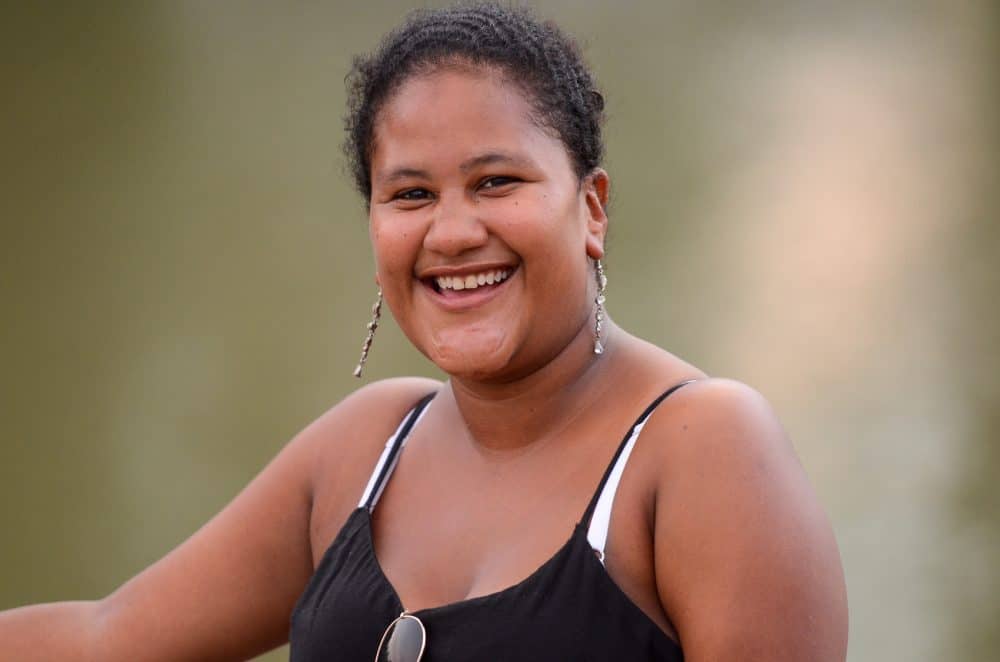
(403, 640)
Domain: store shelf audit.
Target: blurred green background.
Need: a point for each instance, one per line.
(805, 198)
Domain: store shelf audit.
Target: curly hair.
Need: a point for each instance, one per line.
(536, 55)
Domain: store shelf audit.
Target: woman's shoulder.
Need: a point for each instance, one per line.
(705, 412)
(706, 423)
(366, 417)
(345, 443)
(717, 425)
(717, 409)
(382, 398)
(743, 526)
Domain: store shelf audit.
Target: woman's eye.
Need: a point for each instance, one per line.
(412, 194)
(497, 182)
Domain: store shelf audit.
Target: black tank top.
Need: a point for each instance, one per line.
(567, 609)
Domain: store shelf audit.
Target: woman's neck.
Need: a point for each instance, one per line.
(515, 415)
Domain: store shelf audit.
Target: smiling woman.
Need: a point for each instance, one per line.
(467, 182)
(526, 519)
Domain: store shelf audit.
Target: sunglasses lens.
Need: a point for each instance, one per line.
(403, 641)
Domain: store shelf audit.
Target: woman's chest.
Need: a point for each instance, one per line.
(449, 526)
(448, 536)
(567, 609)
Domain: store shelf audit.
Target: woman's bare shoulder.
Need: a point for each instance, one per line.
(746, 562)
(345, 442)
(375, 405)
(717, 414)
(367, 415)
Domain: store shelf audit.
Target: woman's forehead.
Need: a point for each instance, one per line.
(458, 116)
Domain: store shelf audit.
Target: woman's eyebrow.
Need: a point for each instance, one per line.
(402, 173)
(491, 158)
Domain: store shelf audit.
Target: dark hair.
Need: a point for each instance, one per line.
(536, 55)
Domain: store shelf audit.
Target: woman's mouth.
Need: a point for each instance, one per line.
(468, 290)
(471, 281)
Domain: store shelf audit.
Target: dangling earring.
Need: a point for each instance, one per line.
(602, 284)
(367, 345)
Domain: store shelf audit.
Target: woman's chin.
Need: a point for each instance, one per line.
(477, 358)
(473, 367)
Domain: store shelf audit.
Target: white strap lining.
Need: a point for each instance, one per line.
(597, 534)
(384, 457)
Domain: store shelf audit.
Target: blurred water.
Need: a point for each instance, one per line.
(804, 197)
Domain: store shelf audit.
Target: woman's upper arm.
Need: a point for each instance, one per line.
(746, 563)
(228, 591)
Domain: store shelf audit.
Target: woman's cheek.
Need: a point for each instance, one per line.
(392, 253)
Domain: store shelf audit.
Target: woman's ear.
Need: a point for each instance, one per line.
(596, 187)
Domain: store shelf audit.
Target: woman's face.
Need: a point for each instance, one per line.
(482, 231)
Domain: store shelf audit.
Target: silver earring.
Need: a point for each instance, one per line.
(602, 284)
(367, 345)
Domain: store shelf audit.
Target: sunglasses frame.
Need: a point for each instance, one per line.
(388, 629)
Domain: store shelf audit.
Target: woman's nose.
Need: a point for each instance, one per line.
(455, 227)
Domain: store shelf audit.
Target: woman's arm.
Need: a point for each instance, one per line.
(228, 591)
(59, 631)
(225, 593)
(746, 563)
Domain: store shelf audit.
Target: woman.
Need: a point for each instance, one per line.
(518, 523)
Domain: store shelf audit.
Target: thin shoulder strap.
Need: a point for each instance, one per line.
(598, 512)
(390, 455)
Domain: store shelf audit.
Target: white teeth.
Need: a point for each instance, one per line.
(472, 281)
